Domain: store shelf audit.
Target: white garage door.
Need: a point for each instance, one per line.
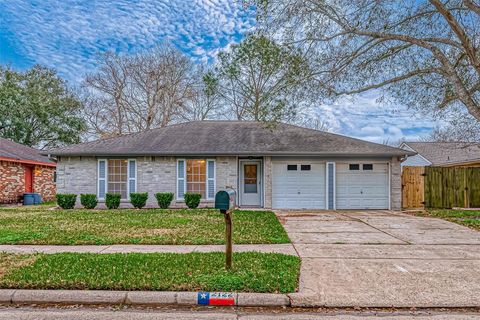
(362, 185)
(298, 185)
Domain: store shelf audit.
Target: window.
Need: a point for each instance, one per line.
(55, 176)
(291, 167)
(197, 176)
(117, 177)
(368, 166)
(305, 167)
(354, 166)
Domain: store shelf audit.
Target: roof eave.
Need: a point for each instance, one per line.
(33, 162)
(244, 153)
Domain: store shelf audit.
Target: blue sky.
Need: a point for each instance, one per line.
(69, 35)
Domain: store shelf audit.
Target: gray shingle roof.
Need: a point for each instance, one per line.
(230, 138)
(19, 152)
(447, 153)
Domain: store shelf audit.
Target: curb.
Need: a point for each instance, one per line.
(138, 298)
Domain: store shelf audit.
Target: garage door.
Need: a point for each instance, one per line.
(362, 186)
(298, 185)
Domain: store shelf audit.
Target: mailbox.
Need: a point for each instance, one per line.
(225, 200)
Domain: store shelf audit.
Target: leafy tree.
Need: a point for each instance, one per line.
(262, 80)
(424, 54)
(37, 108)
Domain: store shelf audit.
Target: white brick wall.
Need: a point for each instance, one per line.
(154, 174)
(396, 184)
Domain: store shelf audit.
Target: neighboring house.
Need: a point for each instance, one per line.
(442, 154)
(289, 167)
(24, 169)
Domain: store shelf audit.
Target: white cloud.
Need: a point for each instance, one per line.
(69, 35)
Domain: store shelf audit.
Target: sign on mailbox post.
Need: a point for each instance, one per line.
(225, 202)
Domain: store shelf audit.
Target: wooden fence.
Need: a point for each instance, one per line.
(412, 187)
(443, 187)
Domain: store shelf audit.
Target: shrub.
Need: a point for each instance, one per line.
(164, 199)
(138, 199)
(88, 201)
(66, 200)
(112, 200)
(192, 200)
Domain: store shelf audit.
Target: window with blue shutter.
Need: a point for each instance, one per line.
(180, 179)
(102, 178)
(132, 176)
(210, 179)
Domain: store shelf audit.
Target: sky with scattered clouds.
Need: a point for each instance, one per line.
(69, 35)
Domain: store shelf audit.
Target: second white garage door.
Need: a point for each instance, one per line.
(362, 186)
(298, 185)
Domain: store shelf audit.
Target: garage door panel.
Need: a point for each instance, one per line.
(362, 189)
(297, 189)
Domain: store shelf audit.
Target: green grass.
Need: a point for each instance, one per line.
(252, 272)
(469, 218)
(148, 226)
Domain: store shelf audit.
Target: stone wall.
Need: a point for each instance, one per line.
(12, 182)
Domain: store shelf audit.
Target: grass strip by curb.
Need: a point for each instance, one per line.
(128, 226)
(252, 272)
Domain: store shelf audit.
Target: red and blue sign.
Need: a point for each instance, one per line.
(216, 298)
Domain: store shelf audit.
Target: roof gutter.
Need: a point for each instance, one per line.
(33, 162)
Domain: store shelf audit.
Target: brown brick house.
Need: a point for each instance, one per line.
(24, 169)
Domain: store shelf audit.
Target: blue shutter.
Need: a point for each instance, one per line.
(102, 178)
(132, 176)
(331, 185)
(210, 179)
(180, 179)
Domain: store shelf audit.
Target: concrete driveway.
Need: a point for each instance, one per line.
(383, 259)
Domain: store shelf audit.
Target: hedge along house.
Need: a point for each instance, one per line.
(289, 167)
(24, 169)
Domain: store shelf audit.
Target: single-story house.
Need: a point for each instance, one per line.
(288, 167)
(442, 154)
(24, 169)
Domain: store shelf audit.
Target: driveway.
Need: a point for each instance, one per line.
(383, 259)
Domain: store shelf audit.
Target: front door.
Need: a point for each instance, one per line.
(28, 179)
(250, 184)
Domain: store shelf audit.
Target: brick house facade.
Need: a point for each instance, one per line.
(23, 169)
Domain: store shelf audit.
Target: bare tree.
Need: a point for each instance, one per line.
(206, 101)
(424, 54)
(134, 93)
(261, 80)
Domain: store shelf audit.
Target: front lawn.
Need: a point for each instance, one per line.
(252, 272)
(469, 218)
(41, 225)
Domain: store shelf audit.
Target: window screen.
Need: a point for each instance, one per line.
(368, 166)
(353, 166)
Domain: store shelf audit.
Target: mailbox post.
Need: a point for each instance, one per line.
(225, 202)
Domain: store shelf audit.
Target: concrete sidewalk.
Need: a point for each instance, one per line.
(119, 248)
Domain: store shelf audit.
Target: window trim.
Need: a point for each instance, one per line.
(106, 176)
(207, 179)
